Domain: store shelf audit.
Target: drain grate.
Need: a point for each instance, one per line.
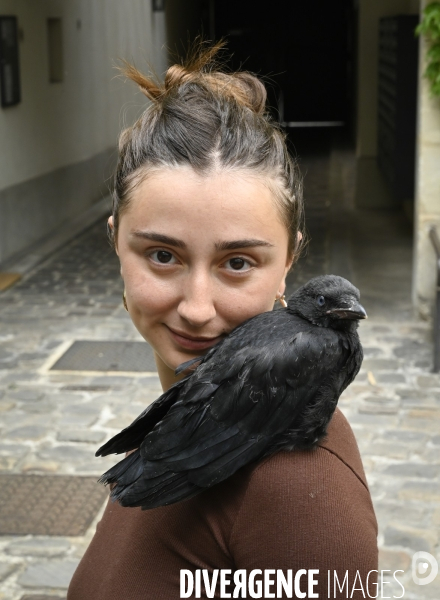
(107, 356)
(48, 504)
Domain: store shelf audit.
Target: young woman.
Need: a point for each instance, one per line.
(207, 222)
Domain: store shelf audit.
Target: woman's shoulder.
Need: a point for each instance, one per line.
(336, 456)
(308, 507)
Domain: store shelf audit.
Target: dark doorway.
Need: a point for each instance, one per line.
(305, 51)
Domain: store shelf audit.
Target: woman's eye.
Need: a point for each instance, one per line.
(163, 256)
(238, 264)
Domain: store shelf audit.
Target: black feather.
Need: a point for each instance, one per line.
(273, 383)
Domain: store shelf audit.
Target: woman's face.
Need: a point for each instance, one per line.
(199, 255)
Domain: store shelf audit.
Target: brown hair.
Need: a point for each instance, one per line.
(206, 118)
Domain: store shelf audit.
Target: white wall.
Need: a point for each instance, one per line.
(58, 124)
(427, 205)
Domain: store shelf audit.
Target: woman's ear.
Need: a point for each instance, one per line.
(289, 262)
(290, 257)
(111, 226)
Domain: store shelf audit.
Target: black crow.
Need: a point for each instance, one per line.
(273, 383)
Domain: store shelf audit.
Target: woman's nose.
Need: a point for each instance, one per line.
(197, 303)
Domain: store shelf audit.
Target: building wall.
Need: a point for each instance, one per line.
(427, 205)
(370, 189)
(58, 145)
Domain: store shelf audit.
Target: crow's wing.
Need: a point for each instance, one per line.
(220, 423)
(131, 437)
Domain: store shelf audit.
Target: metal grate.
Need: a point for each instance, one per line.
(107, 356)
(48, 504)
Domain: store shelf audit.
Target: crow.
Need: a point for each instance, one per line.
(273, 383)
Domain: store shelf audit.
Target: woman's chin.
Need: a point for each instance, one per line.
(174, 360)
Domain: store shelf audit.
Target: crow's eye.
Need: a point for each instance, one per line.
(321, 300)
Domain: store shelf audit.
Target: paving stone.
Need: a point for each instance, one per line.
(409, 512)
(16, 377)
(41, 597)
(408, 539)
(390, 378)
(5, 354)
(413, 393)
(55, 574)
(65, 454)
(5, 406)
(394, 560)
(415, 491)
(428, 381)
(418, 423)
(380, 364)
(381, 400)
(118, 380)
(413, 470)
(8, 365)
(27, 395)
(371, 409)
(411, 348)
(97, 465)
(77, 421)
(386, 449)
(35, 465)
(381, 329)
(38, 546)
(29, 432)
(39, 407)
(81, 435)
(409, 437)
(425, 364)
(371, 351)
(26, 356)
(15, 450)
(120, 421)
(81, 387)
(375, 420)
(7, 569)
(82, 408)
(63, 399)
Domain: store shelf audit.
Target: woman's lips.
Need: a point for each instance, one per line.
(193, 343)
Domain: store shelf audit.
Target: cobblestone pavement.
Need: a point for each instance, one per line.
(52, 423)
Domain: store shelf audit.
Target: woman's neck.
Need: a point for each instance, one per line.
(166, 374)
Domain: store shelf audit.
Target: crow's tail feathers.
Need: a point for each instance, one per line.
(133, 490)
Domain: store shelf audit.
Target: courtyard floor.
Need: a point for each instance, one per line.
(51, 422)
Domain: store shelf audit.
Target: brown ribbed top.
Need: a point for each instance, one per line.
(294, 510)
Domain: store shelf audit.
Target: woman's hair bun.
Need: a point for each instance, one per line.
(252, 91)
(201, 68)
(175, 76)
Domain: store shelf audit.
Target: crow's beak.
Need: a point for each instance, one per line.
(357, 311)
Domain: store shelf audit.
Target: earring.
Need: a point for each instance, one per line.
(282, 300)
(124, 300)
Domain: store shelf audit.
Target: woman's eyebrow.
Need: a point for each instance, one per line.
(159, 237)
(220, 246)
(246, 243)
